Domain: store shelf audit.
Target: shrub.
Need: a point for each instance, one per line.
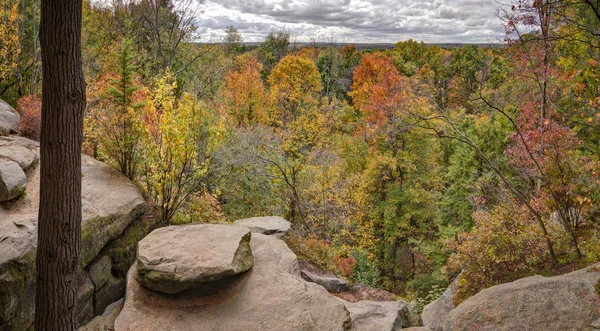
(30, 109)
(505, 245)
(343, 266)
(312, 248)
(364, 273)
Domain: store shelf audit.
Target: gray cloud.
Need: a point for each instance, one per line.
(357, 20)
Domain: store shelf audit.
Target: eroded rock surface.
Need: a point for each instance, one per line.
(177, 258)
(110, 203)
(434, 313)
(566, 302)
(270, 225)
(12, 180)
(378, 316)
(20, 154)
(106, 321)
(8, 119)
(270, 296)
(331, 284)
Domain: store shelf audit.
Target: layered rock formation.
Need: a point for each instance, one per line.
(177, 258)
(110, 204)
(331, 284)
(269, 296)
(270, 225)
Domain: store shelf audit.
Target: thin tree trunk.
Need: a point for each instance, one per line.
(59, 222)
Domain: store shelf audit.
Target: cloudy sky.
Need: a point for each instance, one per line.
(373, 21)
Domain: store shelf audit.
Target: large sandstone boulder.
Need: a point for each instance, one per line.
(331, 284)
(271, 225)
(110, 202)
(20, 154)
(9, 119)
(435, 312)
(12, 180)
(270, 296)
(378, 316)
(177, 258)
(566, 302)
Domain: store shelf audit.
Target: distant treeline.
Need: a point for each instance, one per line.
(374, 46)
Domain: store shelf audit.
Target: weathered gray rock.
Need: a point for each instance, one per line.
(85, 305)
(271, 225)
(106, 321)
(378, 316)
(20, 154)
(177, 258)
(566, 302)
(110, 292)
(331, 284)
(270, 296)
(20, 141)
(434, 313)
(99, 271)
(9, 119)
(17, 275)
(110, 203)
(123, 250)
(12, 180)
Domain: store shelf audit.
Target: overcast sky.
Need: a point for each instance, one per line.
(355, 21)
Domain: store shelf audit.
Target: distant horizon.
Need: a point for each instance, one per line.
(362, 45)
(356, 21)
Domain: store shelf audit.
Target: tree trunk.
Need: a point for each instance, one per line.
(59, 222)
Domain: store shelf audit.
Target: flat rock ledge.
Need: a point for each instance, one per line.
(176, 258)
(331, 284)
(269, 225)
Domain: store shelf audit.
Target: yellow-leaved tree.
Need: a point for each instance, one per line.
(9, 35)
(172, 164)
(295, 87)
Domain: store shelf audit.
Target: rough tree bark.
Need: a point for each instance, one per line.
(59, 221)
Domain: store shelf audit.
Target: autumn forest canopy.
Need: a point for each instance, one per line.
(399, 168)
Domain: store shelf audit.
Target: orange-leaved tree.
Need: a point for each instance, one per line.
(378, 89)
(244, 94)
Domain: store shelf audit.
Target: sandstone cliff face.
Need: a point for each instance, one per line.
(110, 205)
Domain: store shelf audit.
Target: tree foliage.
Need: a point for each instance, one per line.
(172, 164)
